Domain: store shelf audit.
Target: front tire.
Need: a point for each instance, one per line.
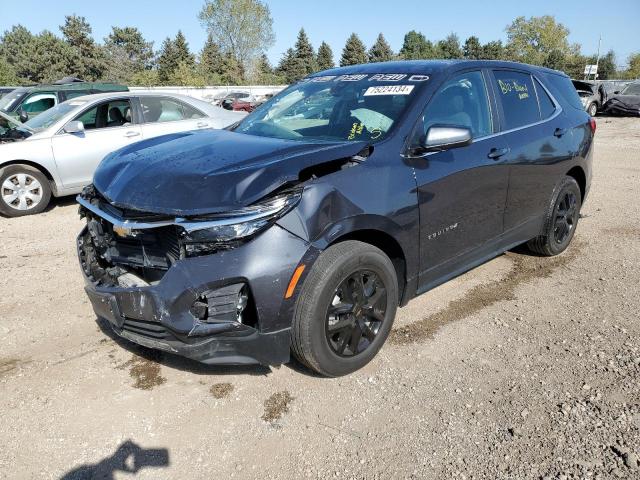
(561, 219)
(592, 109)
(345, 309)
(24, 190)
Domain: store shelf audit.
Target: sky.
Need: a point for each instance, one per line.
(334, 20)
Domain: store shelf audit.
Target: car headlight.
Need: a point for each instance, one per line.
(208, 234)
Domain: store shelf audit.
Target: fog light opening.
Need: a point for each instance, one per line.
(242, 302)
(228, 304)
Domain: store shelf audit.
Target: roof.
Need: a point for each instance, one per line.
(429, 66)
(77, 86)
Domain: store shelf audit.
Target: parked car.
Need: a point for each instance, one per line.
(591, 95)
(57, 152)
(245, 104)
(625, 102)
(6, 90)
(283, 234)
(227, 100)
(27, 102)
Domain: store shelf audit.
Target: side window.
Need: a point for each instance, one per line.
(39, 102)
(191, 112)
(547, 108)
(518, 98)
(158, 109)
(107, 115)
(76, 93)
(461, 101)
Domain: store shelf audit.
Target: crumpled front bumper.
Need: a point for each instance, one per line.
(158, 316)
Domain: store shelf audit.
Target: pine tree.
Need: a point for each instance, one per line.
(89, 59)
(380, 51)
(181, 49)
(492, 50)
(167, 60)
(288, 67)
(325, 57)
(354, 52)
(416, 47)
(212, 61)
(472, 49)
(306, 61)
(449, 48)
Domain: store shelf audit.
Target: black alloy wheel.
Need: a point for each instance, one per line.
(565, 217)
(356, 313)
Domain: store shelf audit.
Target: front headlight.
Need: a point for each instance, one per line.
(209, 234)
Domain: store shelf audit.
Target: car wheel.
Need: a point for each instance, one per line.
(561, 219)
(24, 190)
(593, 109)
(345, 309)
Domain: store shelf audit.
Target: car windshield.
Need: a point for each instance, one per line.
(11, 129)
(360, 107)
(8, 101)
(51, 116)
(632, 89)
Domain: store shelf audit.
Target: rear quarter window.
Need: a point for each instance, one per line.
(562, 88)
(547, 108)
(517, 96)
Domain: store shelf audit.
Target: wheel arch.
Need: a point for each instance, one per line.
(577, 173)
(38, 167)
(389, 245)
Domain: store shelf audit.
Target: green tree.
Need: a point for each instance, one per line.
(492, 50)
(306, 57)
(130, 43)
(633, 70)
(7, 73)
(185, 75)
(288, 67)
(88, 58)
(533, 39)
(606, 65)
(416, 47)
(212, 62)
(172, 53)
(472, 49)
(52, 58)
(181, 50)
(354, 52)
(16, 47)
(325, 57)
(242, 28)
(555, 59)
(266, 74)
(381, 50)
(449, 47)
(145, 78)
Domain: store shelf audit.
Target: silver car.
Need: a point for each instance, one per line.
(57, 152)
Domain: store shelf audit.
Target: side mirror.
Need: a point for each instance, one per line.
(74, 126)
(24, 116)
(445, 137)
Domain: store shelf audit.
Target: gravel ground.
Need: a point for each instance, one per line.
(522, 368)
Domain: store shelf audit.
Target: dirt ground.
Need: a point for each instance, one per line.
(522, 368)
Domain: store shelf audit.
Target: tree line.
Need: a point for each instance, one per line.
(239, 34)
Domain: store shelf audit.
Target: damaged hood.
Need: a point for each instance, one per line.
(210, 171)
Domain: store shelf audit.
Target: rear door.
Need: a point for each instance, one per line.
(461, 191)
(108, 127)
(538, 140)
(164, 115)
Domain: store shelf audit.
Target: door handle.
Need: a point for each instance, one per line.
(559, 132)
(496, 153)
(131, 134)
(202, 124)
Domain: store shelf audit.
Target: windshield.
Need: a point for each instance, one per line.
(51, 116)
(631, 89)
(11, 129)
(338, 107)
(10, 99)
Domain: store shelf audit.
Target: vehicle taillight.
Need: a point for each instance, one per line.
(592, 123)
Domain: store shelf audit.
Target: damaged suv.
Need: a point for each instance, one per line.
(303, 227)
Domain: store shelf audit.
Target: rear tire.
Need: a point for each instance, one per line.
(561, 219)
(345, 309)
(24, 190)
(592, 109)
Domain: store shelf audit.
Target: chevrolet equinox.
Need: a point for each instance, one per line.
(303, 227)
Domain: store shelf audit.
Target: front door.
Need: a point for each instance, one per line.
(108, 127)
(461, 191)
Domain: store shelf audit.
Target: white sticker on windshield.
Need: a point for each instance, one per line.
(389, 90)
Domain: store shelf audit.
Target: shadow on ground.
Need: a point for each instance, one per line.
(129, 458)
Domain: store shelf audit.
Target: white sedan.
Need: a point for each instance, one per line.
(57, 152)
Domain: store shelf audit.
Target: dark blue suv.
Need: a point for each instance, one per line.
(306, 225)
